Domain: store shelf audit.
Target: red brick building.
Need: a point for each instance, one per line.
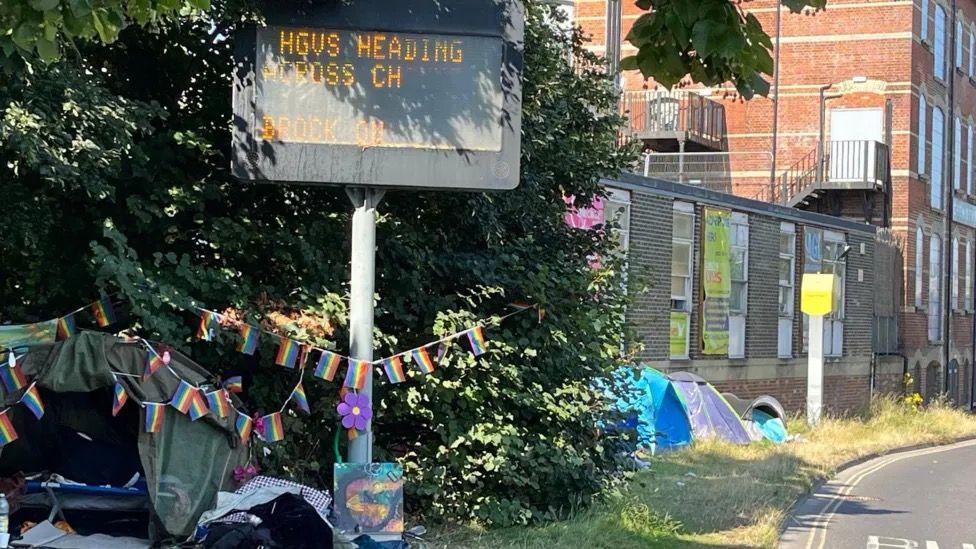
(870, 80)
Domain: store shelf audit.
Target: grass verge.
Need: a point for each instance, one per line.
(722, 495)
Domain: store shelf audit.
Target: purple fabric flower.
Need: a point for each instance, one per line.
(355, 411)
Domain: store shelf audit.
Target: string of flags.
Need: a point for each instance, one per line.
(196, 402)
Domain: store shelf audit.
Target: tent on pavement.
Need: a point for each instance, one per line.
(184, 464)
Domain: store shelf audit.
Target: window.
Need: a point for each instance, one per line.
(738, 303)
(958, 42)
(969, 158)
(957, 154)
(939, 47)
(787, 278)
(919, 264)
(925, 20)
(822, 251)
(968, 280)
(922, 133)
(682, 246)
(935, 288)
(955, 273)
(938, 140)
(972, 50)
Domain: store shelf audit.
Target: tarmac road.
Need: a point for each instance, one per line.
(921, 499)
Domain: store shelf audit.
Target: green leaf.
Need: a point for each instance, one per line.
(48, 50)
(700, 37)
(44, 5)
(629, 63)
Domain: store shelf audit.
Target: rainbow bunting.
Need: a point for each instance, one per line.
(154, 417)
(274, 431)
(442, 350)
(208, 326)
(198, 406)
(299, 398)
(13, 379)
(422, 358)
(7, 432)
(153, 363)
(66, 327)
(103, 311)
(234, 384)
(328, 366)
(249, 339)
(287, 353)
(394, 369)
(244, 424)
(356, 374)
(119, 398)
(32, 399)
(183, 397)
(476, 337)
(217, 400)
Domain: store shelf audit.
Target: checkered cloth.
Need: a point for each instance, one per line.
(318, 499)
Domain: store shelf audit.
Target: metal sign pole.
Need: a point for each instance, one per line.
(815, 368)
(361, 290)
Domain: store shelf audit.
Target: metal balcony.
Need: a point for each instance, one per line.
(846, 166)
(674, 121)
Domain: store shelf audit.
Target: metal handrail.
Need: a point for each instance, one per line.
(675, 111)
(845, 162)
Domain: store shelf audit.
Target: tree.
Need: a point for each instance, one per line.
(712, 41)
(114, 168)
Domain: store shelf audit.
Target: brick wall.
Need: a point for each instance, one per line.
(763, 303)
(650, 267)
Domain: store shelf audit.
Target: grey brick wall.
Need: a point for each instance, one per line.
(762, 315)
(650, 272)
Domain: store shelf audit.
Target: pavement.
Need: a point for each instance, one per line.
(919, 499)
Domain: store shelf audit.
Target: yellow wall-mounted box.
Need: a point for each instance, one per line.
(817, 293)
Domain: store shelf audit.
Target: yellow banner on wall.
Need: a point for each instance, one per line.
(716, 281)
(678, 337)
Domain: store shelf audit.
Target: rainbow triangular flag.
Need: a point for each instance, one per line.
(66, 327)
(250, 336)
(198, 406)
(7, 432)
(218, 402)
(183, 397)
(422, 359)
(300, 399)
(207, 329)
(327, 366)
(153, 363)
(274, 431)
(356, 374)
(103, 311)
(154, 417)
(119, 398)
(244, 424)
(287, 353)
(476, 337)
(32, 399)
(12, 378)
(234, 384)
(394, 369)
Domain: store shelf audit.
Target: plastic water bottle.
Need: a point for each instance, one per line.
(4, 520)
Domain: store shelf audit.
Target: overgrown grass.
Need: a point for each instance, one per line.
(722, 495)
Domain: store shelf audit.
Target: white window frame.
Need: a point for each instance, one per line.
(968, 279)
(969, 157)
(924, 27)
(922, 132)
(935, 288)
(737, 318)
(972, 50)
(939, 43)
(834, 322)
(919, 266)
(959, 41)
(938, 158)
(957, 274)
(787, 290)
(688, 210)
(957, 153)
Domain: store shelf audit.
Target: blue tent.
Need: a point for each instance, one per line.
(672, 429)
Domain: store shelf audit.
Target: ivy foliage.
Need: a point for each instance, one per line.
(712, 41)
(114, 168)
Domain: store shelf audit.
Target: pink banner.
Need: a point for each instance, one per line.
(585, 218)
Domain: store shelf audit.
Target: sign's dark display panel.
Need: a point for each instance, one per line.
(431, 99)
